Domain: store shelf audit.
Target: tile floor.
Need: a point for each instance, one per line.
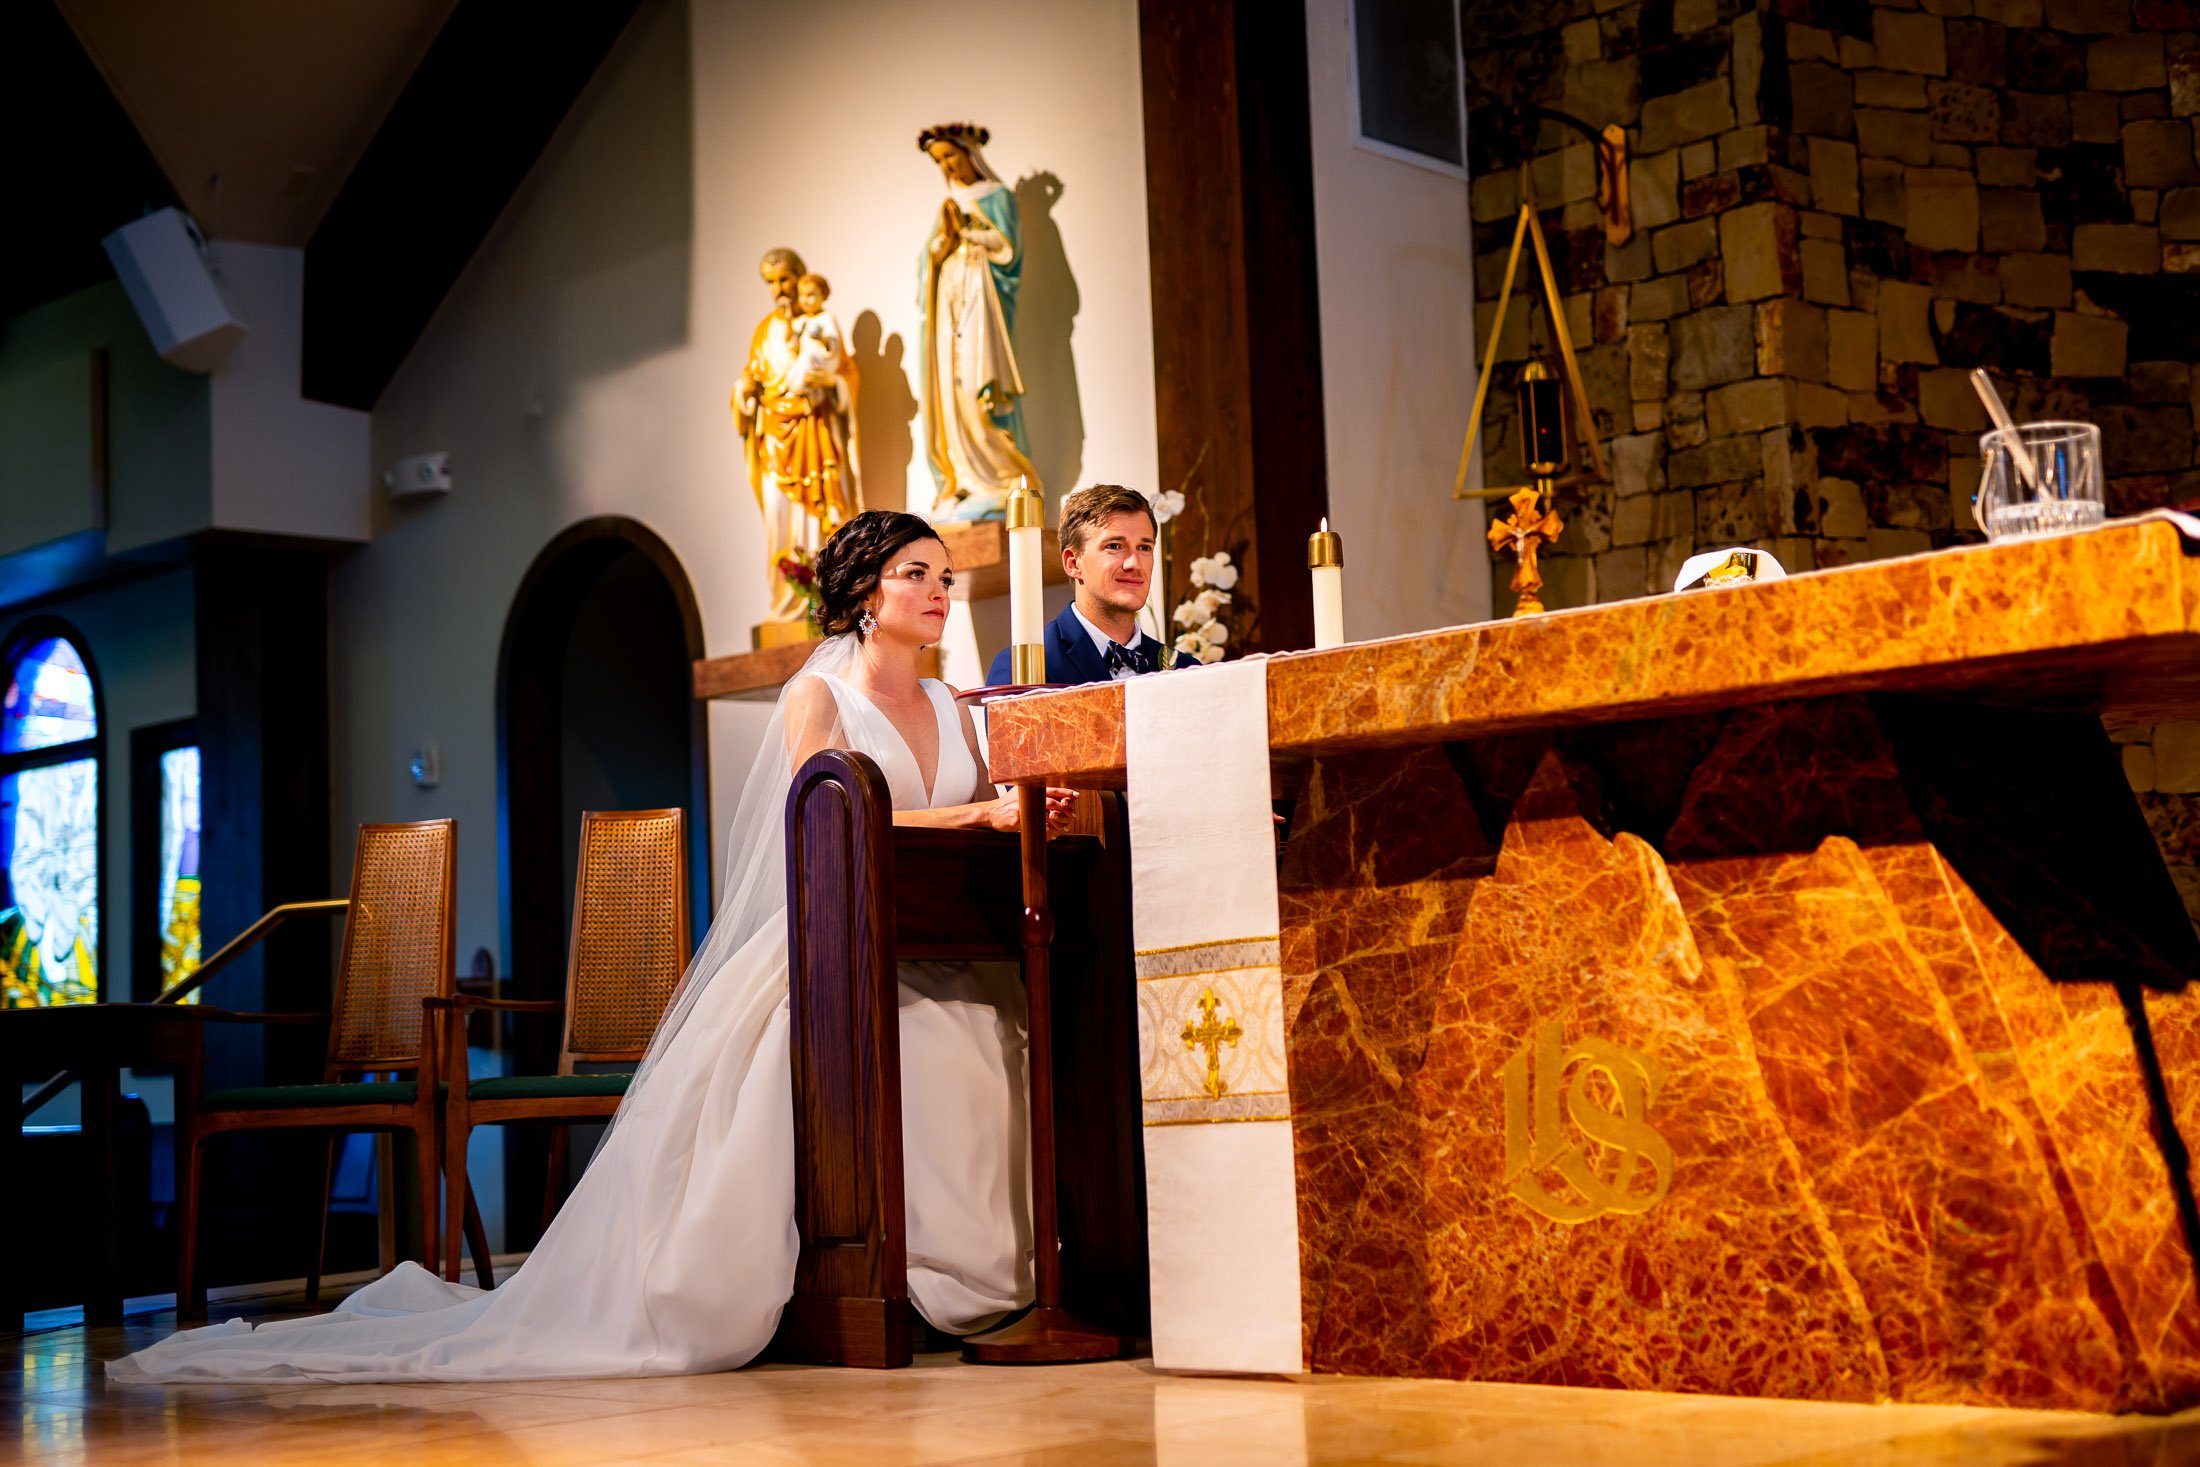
(942, 1411)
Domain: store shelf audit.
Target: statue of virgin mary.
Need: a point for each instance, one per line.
(973, 417)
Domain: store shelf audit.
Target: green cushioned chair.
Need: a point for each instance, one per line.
(397, 955)
(293, 1097)
(630, 946)
(547, 1087)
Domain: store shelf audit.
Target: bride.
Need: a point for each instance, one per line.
(676, 1251)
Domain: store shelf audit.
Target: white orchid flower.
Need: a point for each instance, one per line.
(1214, 570)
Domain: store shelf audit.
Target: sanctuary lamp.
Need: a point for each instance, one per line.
(1542, 424)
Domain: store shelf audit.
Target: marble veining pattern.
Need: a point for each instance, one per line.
(1902, 1159)
(2020, 621)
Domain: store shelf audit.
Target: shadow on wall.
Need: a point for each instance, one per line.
(588, 272)
(1046, 315)
(885, 407)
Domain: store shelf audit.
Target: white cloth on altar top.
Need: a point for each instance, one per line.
(1221, 1190)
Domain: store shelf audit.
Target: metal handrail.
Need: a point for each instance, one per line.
(233, 949)
(229, 953)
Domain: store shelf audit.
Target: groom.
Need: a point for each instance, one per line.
(1107, 540)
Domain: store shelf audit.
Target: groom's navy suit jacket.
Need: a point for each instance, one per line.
(1071, 657)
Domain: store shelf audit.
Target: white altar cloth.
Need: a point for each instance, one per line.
(1221, 1190)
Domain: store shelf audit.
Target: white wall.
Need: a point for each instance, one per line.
(158, 422)
(237, 449)
(282, 465)
(581, 365)
(1395, 254)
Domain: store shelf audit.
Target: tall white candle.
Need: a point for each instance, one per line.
(1325, 562)
(1026, 614)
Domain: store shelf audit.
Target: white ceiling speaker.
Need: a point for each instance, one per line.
(161, 262)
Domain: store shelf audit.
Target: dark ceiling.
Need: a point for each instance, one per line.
(81, 169)
(336, 118)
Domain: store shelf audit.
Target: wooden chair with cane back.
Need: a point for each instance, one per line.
(397, 954)
(630, 944)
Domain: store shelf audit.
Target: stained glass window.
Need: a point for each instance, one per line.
(49, 698)
(178, 909)
(49, 891)
(49, 828)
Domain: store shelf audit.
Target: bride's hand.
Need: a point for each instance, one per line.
(1002, 814)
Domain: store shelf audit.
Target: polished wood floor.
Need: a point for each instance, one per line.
(942, 1411)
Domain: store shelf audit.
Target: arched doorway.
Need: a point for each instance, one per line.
(595, 710)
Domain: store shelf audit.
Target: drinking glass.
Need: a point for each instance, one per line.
(2065, 489)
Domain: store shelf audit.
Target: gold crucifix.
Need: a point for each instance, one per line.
(1524, 532)
(1212, 1036)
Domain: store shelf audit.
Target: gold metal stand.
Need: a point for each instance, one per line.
(1529, 228)
(1027, 661)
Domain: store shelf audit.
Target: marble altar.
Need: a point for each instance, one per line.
(1770, 991)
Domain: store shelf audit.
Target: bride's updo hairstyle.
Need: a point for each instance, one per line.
(848, 567)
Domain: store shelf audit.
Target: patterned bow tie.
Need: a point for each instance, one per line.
(1124, 661)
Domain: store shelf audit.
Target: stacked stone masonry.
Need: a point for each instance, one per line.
(1840, 208)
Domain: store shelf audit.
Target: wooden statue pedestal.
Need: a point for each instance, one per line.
(1769, 991)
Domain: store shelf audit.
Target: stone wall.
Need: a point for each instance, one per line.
(2162, 762)
(1841, 206)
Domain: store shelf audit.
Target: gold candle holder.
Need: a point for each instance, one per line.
(1027, 657)
(1325, 563)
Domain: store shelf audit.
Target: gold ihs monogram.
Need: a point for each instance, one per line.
(1535, 1143)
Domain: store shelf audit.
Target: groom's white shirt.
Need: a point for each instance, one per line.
(1101, 641)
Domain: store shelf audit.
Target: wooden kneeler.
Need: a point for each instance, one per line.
(863, 895)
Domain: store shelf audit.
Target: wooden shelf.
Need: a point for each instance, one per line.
(980, 556)
(757, 677)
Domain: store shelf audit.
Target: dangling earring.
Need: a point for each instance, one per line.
(866, 624)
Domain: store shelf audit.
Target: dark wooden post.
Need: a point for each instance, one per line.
(262, 653)
(861, 895)
(1236, 308)
(1049, 1333)
(851, 1290)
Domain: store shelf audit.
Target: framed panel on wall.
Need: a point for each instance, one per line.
(50, 840)
(164, 858)
(1407, 99)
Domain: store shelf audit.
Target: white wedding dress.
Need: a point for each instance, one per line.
(676, 1251)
